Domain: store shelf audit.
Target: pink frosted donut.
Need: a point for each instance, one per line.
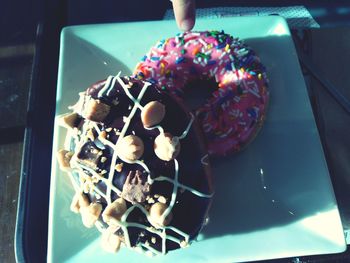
(236, 109)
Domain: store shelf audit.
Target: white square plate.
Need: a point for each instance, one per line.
(274, 199)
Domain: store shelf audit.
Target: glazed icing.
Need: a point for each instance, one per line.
(236, 110)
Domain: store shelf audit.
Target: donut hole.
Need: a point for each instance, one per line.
(198, 92)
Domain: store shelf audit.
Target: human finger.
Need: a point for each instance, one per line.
(185, 13)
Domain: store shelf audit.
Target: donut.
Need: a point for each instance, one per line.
(236, 109)
(142, 178)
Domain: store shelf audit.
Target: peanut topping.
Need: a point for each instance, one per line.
(119, 167)
(95, 110)
(114, 210)
(68, 120)
(63, 158)
(153, 240)
(184, 244)
(110, 242)
(90, 135)
(156, 215)
(166, 147)
(162, 199)
(152, 114)
(151, 201)
(90, 214)
(79, 200)
(102, 135)
(130, 148)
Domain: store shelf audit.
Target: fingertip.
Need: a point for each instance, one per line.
(185, 13)
(187, 24)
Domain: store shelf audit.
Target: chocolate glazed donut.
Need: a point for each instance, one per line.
(138, 165)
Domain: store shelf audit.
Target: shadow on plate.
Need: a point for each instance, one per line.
(281, 177)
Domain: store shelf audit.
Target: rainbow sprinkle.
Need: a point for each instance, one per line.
(234, 66)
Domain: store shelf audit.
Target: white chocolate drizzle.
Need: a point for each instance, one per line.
(124, 224)
(204, 159)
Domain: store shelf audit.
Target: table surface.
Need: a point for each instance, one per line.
(327, 47)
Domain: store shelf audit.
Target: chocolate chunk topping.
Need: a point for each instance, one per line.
(89, 155)
(136, 188)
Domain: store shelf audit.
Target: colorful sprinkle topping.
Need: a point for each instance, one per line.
(234, 66)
